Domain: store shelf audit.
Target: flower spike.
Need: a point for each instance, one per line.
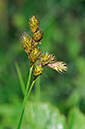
(34, 55)
(27, 43)
(38, 35)
(59, 66)
(38, 70)
(34, 23)
(47, 59)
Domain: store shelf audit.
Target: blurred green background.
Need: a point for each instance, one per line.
(63, 24)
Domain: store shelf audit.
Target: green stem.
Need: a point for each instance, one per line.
(24, 102)
(30, 88)
(28, 82)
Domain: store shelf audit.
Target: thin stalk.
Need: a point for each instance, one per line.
(30, 88)
(20, 77)
(28, 82)
(24, 103)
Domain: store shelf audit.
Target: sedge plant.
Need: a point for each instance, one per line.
(38, 60)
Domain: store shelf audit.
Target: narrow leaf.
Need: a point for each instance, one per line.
(20, 77)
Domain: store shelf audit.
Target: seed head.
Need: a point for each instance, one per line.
(38, 35)
(34, 23)
(59, 66)
(38, 70)
(34, 55)
(27, 43)
(47, 58)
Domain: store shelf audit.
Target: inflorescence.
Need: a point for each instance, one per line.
(38, 59)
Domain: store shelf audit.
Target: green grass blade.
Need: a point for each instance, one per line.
(20, 77)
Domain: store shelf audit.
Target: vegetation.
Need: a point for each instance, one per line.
(63, 24)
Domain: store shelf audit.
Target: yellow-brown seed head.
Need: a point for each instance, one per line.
(47, 59)
(34, 23)
(27, 43)
(38, 70)
(34, 55)
(38, 35)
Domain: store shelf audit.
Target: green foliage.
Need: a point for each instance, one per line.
(8, 116)
(40, 116)
(43, 116)
(76, 119)
(37, 116)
